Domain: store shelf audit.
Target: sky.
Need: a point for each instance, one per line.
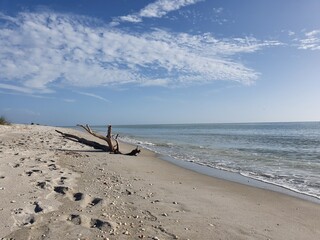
(159, 61)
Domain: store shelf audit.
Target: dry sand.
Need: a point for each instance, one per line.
(52, 188)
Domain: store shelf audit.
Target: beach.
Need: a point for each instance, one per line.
(54, 188)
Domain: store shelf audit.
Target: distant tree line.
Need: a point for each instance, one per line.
(4, 121)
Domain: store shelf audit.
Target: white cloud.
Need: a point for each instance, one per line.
(195, 16)
(15, 88)
(157, 9)
(311, 41)
(313, 33)
(217, 10)
(69, 100)
(94, 96)
(40, 51)
(291, 33)
(162, 7)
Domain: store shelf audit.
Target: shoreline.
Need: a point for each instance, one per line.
(231, 176)
(67, 190)
(238, 178)
(264, 152)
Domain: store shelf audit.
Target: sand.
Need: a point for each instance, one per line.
(52, 188)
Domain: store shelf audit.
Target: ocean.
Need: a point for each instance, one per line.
(283, 154)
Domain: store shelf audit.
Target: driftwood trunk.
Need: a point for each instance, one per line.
(108, 138)
(113, 143)
(93, 144)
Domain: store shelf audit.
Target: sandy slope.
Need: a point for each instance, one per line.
(51, 188)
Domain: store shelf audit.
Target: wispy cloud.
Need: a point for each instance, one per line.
(15, 88)
(291, 33)
(310, 41)
(94, 96)
(40, 51)
(157, 9)
(194, 16)
(69, 100)
(22, 91)
(217, 10)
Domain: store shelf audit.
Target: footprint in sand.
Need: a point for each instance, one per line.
(52, 167)
(62, 180)
(100, 224)
(75, 219)
(61, 190)
(38, 160)
(29, 173)
(89, 222)
(42, 185)
(37, 208)
(16, 165)
(30, 220)
(95, 201)
(78, 196)
(23, 218)
(85, 200)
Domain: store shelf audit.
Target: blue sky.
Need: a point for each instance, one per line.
(178, 61)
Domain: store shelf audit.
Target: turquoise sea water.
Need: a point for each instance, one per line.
(284, 154)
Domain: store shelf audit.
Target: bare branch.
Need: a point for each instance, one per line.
(88, 129)
(112, 148)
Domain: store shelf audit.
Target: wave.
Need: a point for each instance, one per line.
(308, 192)
(258, 164)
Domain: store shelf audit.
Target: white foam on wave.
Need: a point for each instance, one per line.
(307, 191)
(270, 178)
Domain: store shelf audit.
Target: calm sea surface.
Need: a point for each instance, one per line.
(284, 154)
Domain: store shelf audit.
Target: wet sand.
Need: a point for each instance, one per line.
(53, 188)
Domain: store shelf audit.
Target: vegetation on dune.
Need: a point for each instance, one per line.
(4, 121)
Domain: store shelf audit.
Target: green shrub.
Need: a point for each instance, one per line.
(4, 121)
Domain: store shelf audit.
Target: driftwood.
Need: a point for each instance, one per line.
(112, 148)
(108, 138)
(93, 144)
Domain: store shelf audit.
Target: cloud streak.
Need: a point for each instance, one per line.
(42, 51)
(94, 96)
(157, 9)
(15, 88)
(311, 41)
